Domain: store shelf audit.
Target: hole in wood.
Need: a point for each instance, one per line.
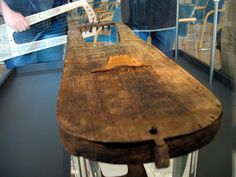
(153, 131)
(218, 105)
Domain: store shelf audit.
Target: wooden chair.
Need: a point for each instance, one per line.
(208, 19)
(99, 5)
(185, 19)
(106, 16)
(199, 11)
(111, 6)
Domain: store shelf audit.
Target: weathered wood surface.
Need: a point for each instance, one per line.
(136, 110)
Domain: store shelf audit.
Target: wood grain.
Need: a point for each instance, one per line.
(152, 111)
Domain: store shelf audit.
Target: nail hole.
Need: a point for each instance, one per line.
(218, 105)
(153, 131)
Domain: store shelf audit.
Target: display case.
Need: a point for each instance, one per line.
(31, 142)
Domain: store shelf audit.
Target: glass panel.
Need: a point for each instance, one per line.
(3, 69)
(195, 32)
(179, 167)
(81, 167)
(234, 163)
(199, 46)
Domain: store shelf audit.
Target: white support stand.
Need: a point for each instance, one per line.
(193, 164)
(213, 47)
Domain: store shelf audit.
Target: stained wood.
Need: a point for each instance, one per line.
(129, 103)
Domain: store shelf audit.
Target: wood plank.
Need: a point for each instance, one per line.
(127, 93)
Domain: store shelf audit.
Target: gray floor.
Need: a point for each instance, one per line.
(215, 159)
(30, 144)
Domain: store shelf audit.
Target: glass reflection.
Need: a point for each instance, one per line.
(196, 29)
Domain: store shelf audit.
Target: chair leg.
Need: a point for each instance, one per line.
(203, 29)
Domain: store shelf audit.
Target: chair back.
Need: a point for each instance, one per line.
(185, 11)
(210, 7)
(117, 15)
(200, 6)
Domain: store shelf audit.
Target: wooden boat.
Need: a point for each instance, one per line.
(129, 103)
